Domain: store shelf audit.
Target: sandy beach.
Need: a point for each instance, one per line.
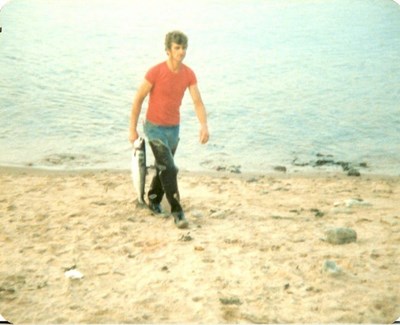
(257, 249)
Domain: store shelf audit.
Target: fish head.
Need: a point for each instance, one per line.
(139, 144)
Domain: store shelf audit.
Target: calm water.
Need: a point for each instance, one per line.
(283, 81)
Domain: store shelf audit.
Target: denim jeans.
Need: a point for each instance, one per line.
(164, 141)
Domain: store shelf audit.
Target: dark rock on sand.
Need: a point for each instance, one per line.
(353, 172)
(317, 213)
(280, 169)
(327, 160)
(340, 236)
(230, 301)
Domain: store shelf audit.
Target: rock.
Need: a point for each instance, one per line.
(197, 214)
(331, 268)
(280, 169)
(340, 236)
(345, 165)
(186, 237)
(356, 202)
(353, 172)
(253, 180)
(235, 169)
(323, 162)
(230, 301)
(73, 274)
(218, 214)
(317, 213)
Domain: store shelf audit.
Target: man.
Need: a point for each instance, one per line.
(166, 83)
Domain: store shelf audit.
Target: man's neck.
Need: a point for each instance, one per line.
(173, 65)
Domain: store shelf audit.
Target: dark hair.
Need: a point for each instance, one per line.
(175, 37)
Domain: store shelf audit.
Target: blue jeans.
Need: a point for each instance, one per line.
(168, 135)
(164, 141)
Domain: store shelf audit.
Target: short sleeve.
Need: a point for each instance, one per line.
(151, 75)
(192, 77)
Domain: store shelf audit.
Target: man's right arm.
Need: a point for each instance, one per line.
(141, 94)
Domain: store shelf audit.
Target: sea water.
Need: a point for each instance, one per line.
(284, 81)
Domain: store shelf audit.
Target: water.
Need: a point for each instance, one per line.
(282, 80)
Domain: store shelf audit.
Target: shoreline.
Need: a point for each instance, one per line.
(315, 173)
(256, 250)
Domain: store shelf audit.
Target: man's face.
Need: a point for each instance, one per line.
(177, 52)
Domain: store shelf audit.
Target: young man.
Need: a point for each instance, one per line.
(166, 83)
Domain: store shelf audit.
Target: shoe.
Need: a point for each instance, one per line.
(155, 207)
(180, 220)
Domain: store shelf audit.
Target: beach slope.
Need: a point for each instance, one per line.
(257, 250)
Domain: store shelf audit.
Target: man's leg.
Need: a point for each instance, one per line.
(167, 177)
(156, 193)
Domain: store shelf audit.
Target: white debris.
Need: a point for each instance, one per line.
(352, 203)
(197, 214)
(356, 202)
(73, 274)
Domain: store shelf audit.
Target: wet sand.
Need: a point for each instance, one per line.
(256, 250)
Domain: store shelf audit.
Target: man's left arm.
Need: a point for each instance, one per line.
(200, 112)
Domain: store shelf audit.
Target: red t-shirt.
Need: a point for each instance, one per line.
(167, 93)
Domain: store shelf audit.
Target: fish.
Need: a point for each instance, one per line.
(138, 168)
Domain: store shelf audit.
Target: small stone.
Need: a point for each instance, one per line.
(353, 172)
(186, 237)
(317, 213)
(357, 202)
(73, 274)
(197, 299)
(218, 215)
(235, 169)
(340, 236)
(331, 268)
(280, 169)
(375, 254)
(230, 301)
(197, 214)
(252, 180)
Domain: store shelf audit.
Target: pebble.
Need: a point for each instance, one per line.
(218, 215)
(186, 237)
(235, 169)
(73, 274)
(340, 236)
(280, 169)
(356, 202)
(331, 268)
(353, 172)
(230, 301)
(197, 214)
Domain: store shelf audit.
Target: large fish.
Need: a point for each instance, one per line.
(138, 168)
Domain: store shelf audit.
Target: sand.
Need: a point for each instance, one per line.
(254, 253)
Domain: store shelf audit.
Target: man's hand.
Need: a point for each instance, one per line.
(204, 134)
(133, 135)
